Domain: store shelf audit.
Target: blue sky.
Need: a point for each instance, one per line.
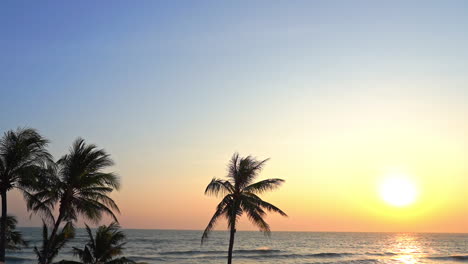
(155, 62)
(164, 82)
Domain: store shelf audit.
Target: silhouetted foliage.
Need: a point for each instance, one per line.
(14, 238)
(22, 155)
(50, 248)
(240, 196)
(104, 248)
(78, 184)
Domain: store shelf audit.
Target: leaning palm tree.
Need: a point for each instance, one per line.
(22, 153)
(240, 195)
(103, 248)
(78, 185)
(14, 238)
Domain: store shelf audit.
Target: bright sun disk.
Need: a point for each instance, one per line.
(398, 190)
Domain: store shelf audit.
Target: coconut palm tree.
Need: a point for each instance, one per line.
(103, 248)
(240, 195)
(14, 238)
(22, 153)
(50, 249)
(78, 185)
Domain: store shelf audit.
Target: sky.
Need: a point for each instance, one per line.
(337, 93)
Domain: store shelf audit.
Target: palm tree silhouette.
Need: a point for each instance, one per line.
(102, 248)
(240, 196)
(79, 185)
(14, 238)
(22, 153)
(51, 248)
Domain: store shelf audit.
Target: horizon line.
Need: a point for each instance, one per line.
(278, 231)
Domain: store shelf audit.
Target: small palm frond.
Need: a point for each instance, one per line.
(104, 246)
(109, 242)
(233, 167)
(218, 187)
(85, 255)
(67, 233)
(91, 242)
(68, 262)
(221, 210)
(40, 253)
(14, 238)
(122, 260)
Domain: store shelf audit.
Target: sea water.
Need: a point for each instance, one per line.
(177, 246)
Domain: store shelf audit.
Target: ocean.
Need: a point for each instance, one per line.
(183, 247)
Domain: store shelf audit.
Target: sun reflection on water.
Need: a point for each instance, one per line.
(407, 247)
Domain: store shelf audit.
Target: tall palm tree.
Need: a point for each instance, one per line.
(240, 195)
(22, 153)
(103, 248)
(14, 238)
(79, 186)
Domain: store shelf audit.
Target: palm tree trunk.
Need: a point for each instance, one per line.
(231, 244)
(3, 194)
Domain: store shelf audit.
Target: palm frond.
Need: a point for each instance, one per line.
(233, 167)
(43, 207)
(51, 248)
(257, 219)
(90, 209)
(245, 171)
(14, 238)
(68, 262)
(218, 187)
(263, 204)
(221, 210)
(104, 246)
(122, 260)
(264, 186)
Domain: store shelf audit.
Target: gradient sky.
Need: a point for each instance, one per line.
(336, 93)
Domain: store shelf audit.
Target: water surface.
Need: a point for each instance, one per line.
(183, 247)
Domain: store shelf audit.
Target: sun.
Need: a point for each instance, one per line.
(398, 190)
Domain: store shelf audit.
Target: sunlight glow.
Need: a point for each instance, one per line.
(398, 190)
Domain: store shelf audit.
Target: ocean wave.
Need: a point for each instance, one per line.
(323, 255)
(381, 254)
(461, 258)
(216, 252)
(257, 251)
(330, 255)
(15, 259)
(151, 240)
(251, 255)
(191, 252)
(356, 261)
(145, 259)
